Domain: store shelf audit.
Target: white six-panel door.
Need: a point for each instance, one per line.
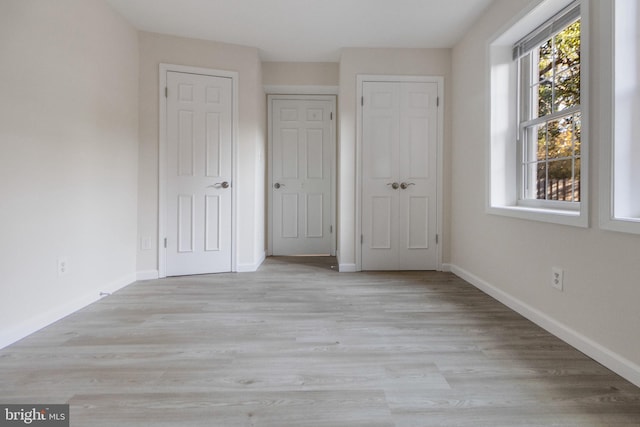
(399, 182)
(301, 176)
(199, 172)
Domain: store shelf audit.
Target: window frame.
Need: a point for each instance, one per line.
(504, 175)
(528, 62)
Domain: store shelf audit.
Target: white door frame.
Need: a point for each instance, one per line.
(162, 158)
(361, 79)
(270, 99)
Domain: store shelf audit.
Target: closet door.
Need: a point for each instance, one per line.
(399, 193)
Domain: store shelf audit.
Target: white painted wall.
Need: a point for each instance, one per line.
(156, 49)
(68, 158)
(512, 258)
(432, 62)
(300, 73)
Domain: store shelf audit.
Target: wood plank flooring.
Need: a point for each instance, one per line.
(297, 344)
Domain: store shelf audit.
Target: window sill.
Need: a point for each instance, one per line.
(554, 216)
(621, 225)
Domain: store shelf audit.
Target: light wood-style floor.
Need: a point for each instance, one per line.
(297, 344)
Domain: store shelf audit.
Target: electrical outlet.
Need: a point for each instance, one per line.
(63, 266)
(557, 278)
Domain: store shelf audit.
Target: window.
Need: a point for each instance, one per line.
(538, 152)
(620, 210)
(550, 119)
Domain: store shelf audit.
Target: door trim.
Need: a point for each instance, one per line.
(162, 158)
(361, 79)
(270, 99)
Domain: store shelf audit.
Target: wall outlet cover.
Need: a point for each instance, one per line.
(557, 278)
(63, 266)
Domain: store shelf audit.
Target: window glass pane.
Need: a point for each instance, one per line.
(560, 185)
(545, 61)
(560, 139)
(544, 88)
(545, 98)
(577, 132)
(557, 85)
(535, 147)
(541, 181)
(567, 43)
(551, 159)
(567, 67)
(542, 142)
(567, 86)
(560, 169)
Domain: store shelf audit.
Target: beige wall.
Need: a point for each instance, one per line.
(68, 158)
(425, 62)
(156, 49)
(300, 73)
(599, 306)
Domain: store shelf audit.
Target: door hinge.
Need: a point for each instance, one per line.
(362, 101)
(362, 239)
(331, 229)
(166, 92)
(165, 243)
(437, 101)
(331, 116)
(437, 238)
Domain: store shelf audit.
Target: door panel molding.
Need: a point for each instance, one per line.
(211, 97)
(311, 161)
(414, 101)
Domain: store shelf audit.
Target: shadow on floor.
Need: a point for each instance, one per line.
(322, 262)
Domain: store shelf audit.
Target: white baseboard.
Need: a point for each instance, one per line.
(446, 267)
(147, 275)
(347, 268)
(620, 365)
(249, 268)
(120, 283)
(16, 333)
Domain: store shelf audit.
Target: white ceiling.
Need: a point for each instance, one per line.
(308, 30)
